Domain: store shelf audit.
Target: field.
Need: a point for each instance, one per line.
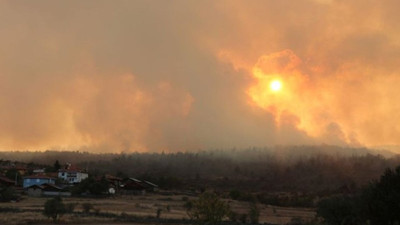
(136, 210)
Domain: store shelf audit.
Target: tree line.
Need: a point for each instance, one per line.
(308, 169)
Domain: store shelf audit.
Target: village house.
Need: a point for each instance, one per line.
(20, 169)
(136, 186)
(114, 183)
(37, 180)
(72, 175)
(39, 171)
(46, 190)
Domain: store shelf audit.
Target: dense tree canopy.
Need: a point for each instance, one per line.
(377, 204)
(91, 186)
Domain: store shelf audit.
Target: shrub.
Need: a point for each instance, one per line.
(97, 211)
(235, 194)
(54, 208)
(208, 208)
(243, 218)
(70, 207)
(8, 194)
(254, 213)
(87, 206)
(233, 216)
(188, 206)
(158, 213)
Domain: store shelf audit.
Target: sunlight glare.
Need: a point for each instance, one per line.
(275, 85)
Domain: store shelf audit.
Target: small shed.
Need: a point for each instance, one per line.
(34, 191)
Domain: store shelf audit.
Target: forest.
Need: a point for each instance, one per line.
(317, 170)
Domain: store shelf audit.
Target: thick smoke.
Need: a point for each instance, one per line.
(111, 76)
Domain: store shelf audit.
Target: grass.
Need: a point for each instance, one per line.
(135, 209)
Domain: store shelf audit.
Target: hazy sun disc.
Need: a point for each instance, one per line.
(275, 85)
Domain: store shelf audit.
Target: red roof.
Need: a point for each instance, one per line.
(6, 180)
(70, 170)
(111, 177)
(54, 175)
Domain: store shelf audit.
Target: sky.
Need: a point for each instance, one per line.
(184, 75)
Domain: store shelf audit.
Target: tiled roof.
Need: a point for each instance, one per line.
(6, 180)
(71, 170)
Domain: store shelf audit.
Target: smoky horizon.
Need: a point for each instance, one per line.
(153, 76)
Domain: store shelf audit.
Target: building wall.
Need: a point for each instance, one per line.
(82, 176)
(34, 192)
(72, 177)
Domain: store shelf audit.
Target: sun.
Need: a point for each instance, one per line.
(275, 85)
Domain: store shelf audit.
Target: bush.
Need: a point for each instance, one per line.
(87, 206)
(243, 218)
(97, 211)
(8, 194)
(70, 207)
(235, 194)
(188, 206)
(54, 208)
(233, 216)
(208, 208)
(158, 213)
(254, 213)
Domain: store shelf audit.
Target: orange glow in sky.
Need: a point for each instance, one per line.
(188, 75)
(275, 85)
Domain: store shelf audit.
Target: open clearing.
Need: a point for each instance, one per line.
(29, 210)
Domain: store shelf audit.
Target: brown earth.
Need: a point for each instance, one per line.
(30, 210)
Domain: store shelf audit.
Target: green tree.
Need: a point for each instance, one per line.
(13, 174)
(7, 194)
(92, 186)
(209, 209)
(56, 166)
(378, 204)
(381, 199)
(254, 213)
(340, 210)
(54, 208)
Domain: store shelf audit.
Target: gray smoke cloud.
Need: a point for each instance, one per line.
(111, 76)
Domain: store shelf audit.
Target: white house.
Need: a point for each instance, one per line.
(72, 176)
